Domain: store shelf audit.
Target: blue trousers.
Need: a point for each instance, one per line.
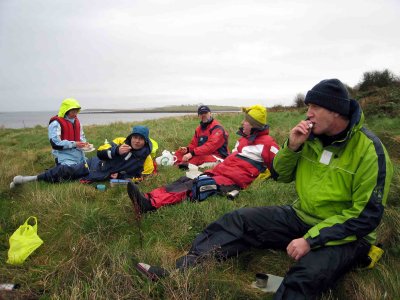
(63, 172)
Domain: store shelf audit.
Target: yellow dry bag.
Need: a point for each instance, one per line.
(23, 242)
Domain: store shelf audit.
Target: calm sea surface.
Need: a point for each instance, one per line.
(31, 119)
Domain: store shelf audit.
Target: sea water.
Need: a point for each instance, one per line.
(32, 119)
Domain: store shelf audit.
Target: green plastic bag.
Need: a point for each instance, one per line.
(23, 242)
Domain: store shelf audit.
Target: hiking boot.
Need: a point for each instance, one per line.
(140, 203)
(187, 261)
(152, 272)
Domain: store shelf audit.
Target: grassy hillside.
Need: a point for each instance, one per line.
(91, 240)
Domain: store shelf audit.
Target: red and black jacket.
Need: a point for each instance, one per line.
(69, 131)
(211, 139)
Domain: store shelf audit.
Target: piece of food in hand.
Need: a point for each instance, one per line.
(310, 125)
(88, 148)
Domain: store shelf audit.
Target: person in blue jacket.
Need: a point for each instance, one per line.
(121, 159)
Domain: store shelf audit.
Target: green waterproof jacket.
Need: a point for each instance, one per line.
(342, 188)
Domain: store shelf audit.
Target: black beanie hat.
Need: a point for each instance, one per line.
(203, 109)
(330, 94)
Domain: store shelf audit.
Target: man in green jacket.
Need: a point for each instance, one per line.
(342, 174)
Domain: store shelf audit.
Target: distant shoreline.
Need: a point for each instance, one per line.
(149, 111)
(92, 117)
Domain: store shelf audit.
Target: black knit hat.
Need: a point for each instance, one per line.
(330, 94)
(203, 109)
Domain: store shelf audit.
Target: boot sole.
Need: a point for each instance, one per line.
(134, 196)
(151, 272)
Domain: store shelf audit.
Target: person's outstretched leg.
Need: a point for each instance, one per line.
(320, 269)
(161, 197)
(63, 172)
(235, 232)
(56, 174)
(19, 179)
(154, 200)
(140, 203)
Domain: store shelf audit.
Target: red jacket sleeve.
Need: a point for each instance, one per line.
(270, 150)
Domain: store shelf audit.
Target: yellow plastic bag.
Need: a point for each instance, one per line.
(23, 242)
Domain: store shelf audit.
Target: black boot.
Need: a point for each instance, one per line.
(140, 203)
(187, 261)
(152, 272)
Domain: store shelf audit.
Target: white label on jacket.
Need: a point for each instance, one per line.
(274, 150)
(326, 157)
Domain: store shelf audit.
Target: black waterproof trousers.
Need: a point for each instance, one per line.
(275, 227)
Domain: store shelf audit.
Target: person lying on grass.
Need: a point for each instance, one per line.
(209, 144)
(342, 173)
(253, 154)
(124, 158)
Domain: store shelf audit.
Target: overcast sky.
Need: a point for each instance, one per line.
(151, 53)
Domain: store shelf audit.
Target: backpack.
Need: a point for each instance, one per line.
(203, 187)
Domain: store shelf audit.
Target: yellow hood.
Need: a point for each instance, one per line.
(66, 105)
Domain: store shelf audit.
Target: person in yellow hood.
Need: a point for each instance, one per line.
(66, 134)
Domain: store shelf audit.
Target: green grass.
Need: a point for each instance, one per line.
(91, 240)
